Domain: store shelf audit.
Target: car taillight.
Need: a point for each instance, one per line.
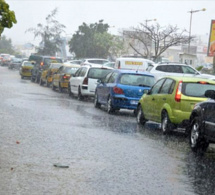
(85, 82)
(118, 90)
(178, 92)
(65, 77)
(41, 63)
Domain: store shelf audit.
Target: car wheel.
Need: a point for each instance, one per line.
(22, 77)
(197, 143)
(96, 102)
(32, 79)
(60, 88)
(110, 108)
(166, 125)
(140, 116)
(80, 96)
(69, 91)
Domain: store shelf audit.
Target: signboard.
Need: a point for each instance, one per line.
(211, 43)
(133, 63)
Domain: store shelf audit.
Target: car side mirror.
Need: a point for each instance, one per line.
(210, 94)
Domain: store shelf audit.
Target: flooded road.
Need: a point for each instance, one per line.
(106, 154)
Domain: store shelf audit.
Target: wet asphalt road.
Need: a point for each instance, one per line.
(106, 154)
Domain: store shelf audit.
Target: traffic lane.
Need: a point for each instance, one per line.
(106, 153)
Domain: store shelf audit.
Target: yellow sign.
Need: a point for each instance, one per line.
(211, 44)
(133, 63)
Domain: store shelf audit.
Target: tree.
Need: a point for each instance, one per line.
(6, 45)
(50, 33)
(7, 17)
(155, 38)
(93, 41)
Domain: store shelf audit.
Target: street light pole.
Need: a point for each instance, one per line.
(150, 20)
(191, 14)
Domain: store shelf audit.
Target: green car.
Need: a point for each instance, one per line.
(171, 100)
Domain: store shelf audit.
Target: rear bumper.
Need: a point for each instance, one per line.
(125, 102)
(179, 117)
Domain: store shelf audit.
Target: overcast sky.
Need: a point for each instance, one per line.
(119, 13)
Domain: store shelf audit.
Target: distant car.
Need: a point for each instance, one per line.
(171, 100)
(93, 61)
(42, 63)
(84, 82)
(175, 69)
(202, 120)
(25, 69)
(62, 76)
(73, 62)
(15, 63)
(122, 89)
(5, 59)
(110, 64)
(47, 74)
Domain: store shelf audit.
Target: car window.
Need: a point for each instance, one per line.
(78, 72)
(167, 87)
(157, 86)
(98, 73)
(98, 61)
(48, 61)
(105, 79)
(83, 72)
(113, 77)
(136, 80)
(71, 71)
(60, 69)
(150, 66)
(196, 89)
(189, 70)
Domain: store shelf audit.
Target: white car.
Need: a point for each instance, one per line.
(84, 82)
(93, 61)
(175, 69)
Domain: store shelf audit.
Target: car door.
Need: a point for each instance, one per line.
(208, 115)
(151, 101)
(72, 80)
(56, 76)
(100, 89)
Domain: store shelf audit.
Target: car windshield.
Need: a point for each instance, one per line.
(196, 89)
(48, 61)
(70, 70)
(136, 80)
(55, 65)
(98, 73)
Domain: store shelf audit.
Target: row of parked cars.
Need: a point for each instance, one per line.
(173, 94)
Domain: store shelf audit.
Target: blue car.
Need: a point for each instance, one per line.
(122, 89)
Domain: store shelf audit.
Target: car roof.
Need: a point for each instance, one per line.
(72, 65)
(189, 79)
(96, 66)
(133, 72)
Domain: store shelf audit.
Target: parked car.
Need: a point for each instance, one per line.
(42, 63)
(62, 76)
(93, 61)
(171, 100)
(175, 69)
(5, 59)
(202, 120)
(47, 74)
(25, 69)
(15, 63)
(84, 82)
(122, 89)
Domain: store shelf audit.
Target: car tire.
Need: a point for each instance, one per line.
(60, 88)
(140, 116)
(197, 142)
(22, 77)
(110, 108)
(166, 125)
(32, 79)
(80, 96)
(69, 91)
(96, 102)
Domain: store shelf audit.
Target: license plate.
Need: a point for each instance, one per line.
(134, 102)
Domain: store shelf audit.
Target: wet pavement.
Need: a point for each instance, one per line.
(106, 154)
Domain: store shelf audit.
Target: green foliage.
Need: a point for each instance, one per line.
(50, 34)
(93, 41)
(7, 17)
(6, 46)
(199, 68)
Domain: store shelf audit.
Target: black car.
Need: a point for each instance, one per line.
(41, 63)
(202, 120)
